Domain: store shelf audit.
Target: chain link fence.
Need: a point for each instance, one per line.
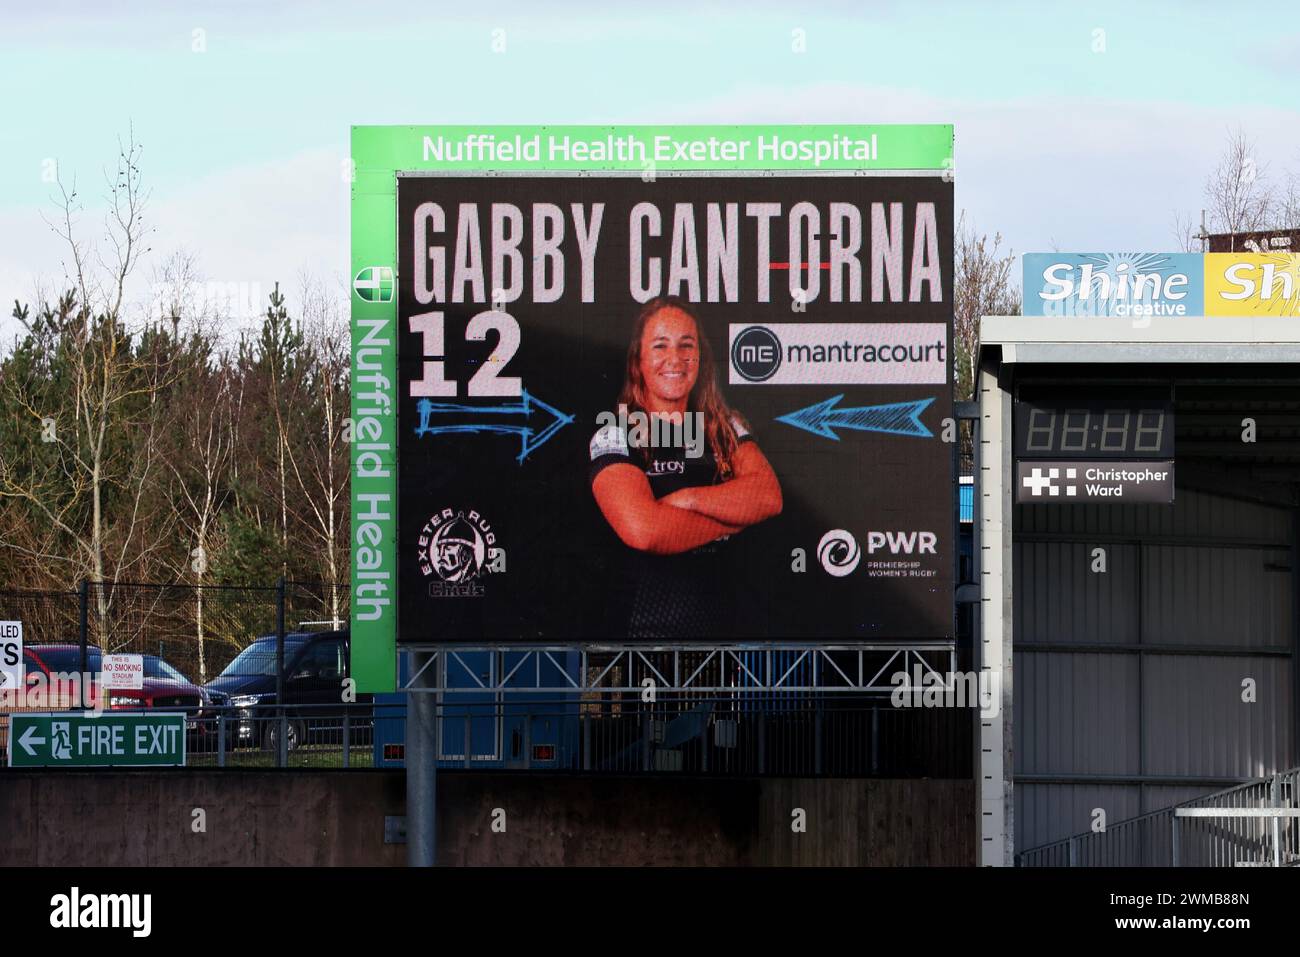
(198, 629)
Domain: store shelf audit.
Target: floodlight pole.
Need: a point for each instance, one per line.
(421, 763)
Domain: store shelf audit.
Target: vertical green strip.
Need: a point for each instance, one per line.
(374, 425)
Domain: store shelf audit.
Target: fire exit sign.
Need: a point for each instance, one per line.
(81, 740)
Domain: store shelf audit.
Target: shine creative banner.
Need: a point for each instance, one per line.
(1252, 284)
(1124, 285)
(1151, 285)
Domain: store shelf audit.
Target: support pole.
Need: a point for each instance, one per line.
(421, 763)
(1275, 794)
(82, 679)
(282, 734)
(994, 562)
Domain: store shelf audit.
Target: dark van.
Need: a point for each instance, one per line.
(317, 666)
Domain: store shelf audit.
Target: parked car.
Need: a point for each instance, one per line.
(316, 668)
(57, 665)
(166, 688)
(34, 697)
(163, 687)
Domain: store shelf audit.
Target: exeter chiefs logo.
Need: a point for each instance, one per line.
(459, 547)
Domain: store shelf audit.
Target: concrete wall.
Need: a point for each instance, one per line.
(145, 818)
(337, 818)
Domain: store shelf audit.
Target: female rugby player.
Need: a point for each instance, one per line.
(675, 504)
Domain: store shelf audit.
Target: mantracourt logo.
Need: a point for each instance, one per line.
(756, 353)
(459, 547)
(75, 910)
(838, 552)
(839, 353)
(374, 284)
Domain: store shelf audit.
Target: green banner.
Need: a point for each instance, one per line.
(376, 149)
(86, 740)
(380, 152)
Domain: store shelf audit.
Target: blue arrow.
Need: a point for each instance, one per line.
(530, 439)
(900, 418)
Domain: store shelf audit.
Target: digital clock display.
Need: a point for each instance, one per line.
(1064, 427)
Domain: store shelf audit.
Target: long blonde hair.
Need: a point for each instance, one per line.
(705, 395)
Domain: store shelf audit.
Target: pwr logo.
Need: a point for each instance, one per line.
(839, 552)
(902, 543)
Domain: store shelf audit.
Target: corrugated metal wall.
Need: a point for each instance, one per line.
(1205, 586)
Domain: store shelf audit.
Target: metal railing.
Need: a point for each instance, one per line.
(282, 737)
(860, 739)
(1255, 824)
(856, 738)
(776, 716)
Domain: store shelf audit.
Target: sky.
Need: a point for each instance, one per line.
(1079, 127)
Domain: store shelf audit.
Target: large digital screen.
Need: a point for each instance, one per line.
(676, 407)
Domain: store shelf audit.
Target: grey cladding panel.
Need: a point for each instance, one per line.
(1059, 598)
(1198, 724)
(1076, 713)
(1216, 596)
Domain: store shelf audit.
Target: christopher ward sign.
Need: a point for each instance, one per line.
(1071, 482)
(1082, 445)
(86, 740)
(683, 407)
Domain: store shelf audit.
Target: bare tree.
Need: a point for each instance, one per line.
(202, 452)
(320, 457)
(176, 296)
(1287, 205)
(1187, 233)
(1239, 199)
(983, 285)
(1236, 193)
(97, 407)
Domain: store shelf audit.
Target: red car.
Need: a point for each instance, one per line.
(162, 687)
(35, 696)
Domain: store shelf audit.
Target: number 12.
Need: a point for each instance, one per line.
(488, 380)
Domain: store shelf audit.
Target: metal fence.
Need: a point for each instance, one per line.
(194, 633)
(840, 738)
(198, 629)
(856, 738)
(1256, 824)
